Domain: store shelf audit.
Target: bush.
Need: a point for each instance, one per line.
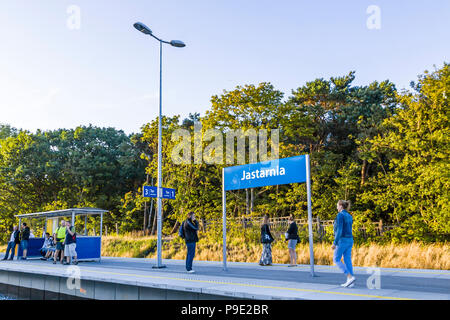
(413, 229)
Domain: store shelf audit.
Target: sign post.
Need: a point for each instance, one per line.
(164, 193)
(224, 220)
(308, 195)
(268, 173)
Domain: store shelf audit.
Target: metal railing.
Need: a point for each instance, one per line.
(282, 223)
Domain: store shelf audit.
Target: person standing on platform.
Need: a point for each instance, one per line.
(293, 239)
(266, 240)
(343, 241)
(70, 244)
(25, 236)
(190, 228)
(13, 241)
(59, 235)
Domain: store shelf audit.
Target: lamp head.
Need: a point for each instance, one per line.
(177, 43)
(142, 28)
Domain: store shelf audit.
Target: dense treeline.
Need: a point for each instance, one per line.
(386, 151)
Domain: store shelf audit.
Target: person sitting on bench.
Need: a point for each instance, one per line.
(47, 244)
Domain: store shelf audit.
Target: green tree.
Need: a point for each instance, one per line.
(414, 186)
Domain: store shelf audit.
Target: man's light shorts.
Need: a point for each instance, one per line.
(69, 250)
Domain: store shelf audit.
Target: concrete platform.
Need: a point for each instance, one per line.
(132, 278)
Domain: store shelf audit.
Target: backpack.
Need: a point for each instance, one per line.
(265, 236)
(181, 231)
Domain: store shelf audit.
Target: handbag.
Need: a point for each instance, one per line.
(181, 230)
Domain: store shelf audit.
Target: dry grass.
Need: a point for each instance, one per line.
(128, 246)
(412, 255)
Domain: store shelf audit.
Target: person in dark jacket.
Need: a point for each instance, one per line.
(190, 228)
(70, 244)
(13, 241)
(266, 240)
(343, 241)
(292, 239)
(25, 236)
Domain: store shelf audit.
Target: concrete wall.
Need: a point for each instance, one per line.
(21, 285)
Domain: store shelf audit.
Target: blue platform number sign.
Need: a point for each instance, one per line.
(168, 193)
(267, 173)
(152, 192)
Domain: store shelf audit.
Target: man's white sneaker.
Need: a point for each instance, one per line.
(349, 282)
(191, 271)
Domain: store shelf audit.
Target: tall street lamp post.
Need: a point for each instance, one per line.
(179, 44)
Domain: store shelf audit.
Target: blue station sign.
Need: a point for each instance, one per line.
(267, 173)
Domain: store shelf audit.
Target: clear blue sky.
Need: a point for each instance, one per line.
(106, 73)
